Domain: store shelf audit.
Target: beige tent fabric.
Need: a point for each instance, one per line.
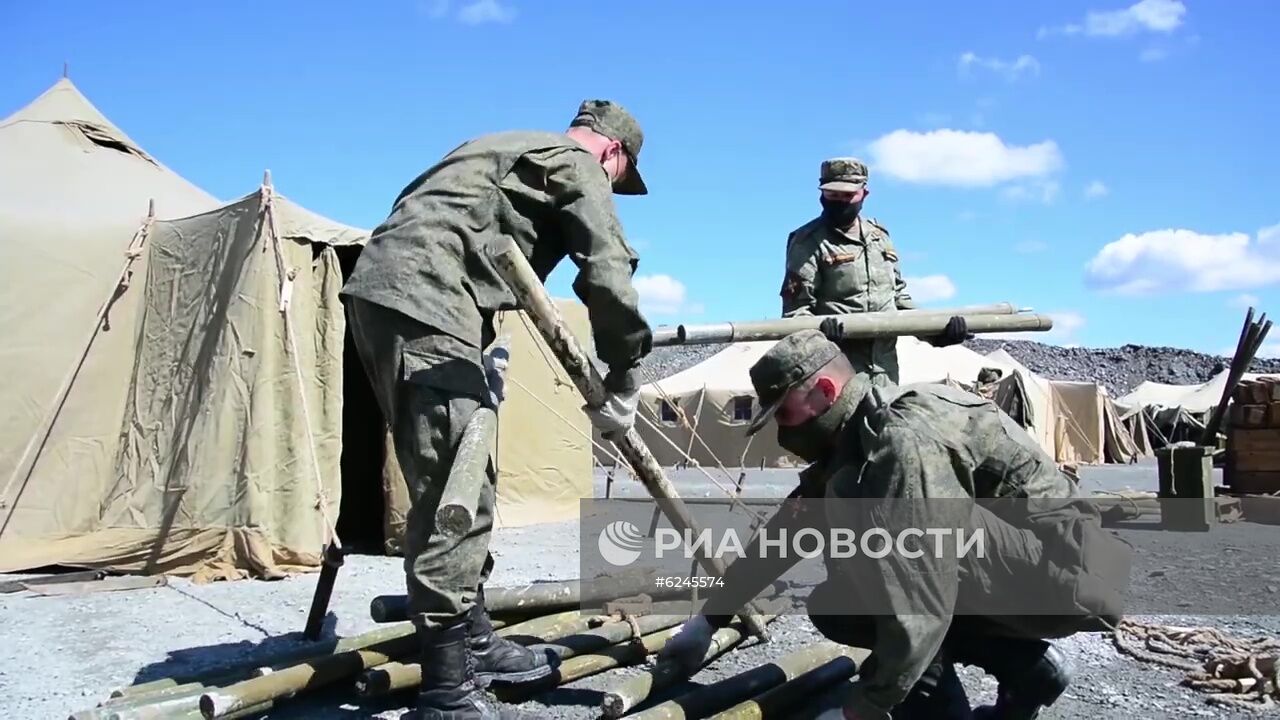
(1073, 422)
(223, 470)
(1192, 398)
(718, 395)
(218, 471)
(74, 192)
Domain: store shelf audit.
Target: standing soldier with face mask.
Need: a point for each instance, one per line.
(421, 303)
(841, 263)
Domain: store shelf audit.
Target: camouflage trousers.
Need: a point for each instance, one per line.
(428, 385)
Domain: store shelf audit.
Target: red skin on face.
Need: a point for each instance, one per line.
(801, 405)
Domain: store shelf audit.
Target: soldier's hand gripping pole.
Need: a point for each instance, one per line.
(533, 298)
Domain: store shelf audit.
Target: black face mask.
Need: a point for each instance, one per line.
(812, 439)
(840, 214)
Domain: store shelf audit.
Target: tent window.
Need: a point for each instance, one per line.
(667, 413)
(742, 408)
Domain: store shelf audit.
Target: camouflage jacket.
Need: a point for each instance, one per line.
(935, 442)
(932, 441)
(429, 260)
(834, 272)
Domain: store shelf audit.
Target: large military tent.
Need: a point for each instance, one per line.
(701, 413)
(212, 420)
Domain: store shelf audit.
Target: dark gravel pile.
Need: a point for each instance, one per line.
(1119, 369)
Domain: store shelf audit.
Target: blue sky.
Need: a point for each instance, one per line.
(1108, 162)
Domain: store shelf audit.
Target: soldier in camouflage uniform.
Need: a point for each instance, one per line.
(842, 262)
(888, 447)
(421, 302)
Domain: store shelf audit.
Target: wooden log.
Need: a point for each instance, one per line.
(527, 288)
(859, 326)
(667, 672)
(457, 508)
(543, 597)
(726, 693)
(624, 653)
(564, 642)
(782, 701)
(105, 710)
(289, 681)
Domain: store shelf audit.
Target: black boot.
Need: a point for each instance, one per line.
(499, 660)
(937, 695)
(449, 690)
(1032, 674)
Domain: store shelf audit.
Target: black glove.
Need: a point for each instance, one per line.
(833, 329)
(956, 332)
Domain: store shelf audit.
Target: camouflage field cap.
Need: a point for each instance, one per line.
(614, 122)
(791, 361)
(844, 174)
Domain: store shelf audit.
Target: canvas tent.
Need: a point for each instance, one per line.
(74, 191)
(1192, 398)
(207, 432)
(701, 412)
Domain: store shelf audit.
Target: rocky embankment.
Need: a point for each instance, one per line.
(1119, 369)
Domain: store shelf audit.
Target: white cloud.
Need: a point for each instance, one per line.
(1187, 261)
(961, 158)
(1045, 191)
(1245, 301)
(1010, 69)
(929, 288)
(1153, 55)
(479, 12)
(1029, 247)
(664, 295)
(474, 12)
(1157, 16)
(1096, 189)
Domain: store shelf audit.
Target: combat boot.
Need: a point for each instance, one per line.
(449, 690)
(1032, 674)
(937, 695)
(499, 660)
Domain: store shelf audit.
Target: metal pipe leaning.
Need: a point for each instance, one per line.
(457, 508)
(720, 695)
(533, 298)
(859, 325)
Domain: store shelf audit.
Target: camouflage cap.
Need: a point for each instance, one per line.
(614, 122)
(791, 361)
(844, 174)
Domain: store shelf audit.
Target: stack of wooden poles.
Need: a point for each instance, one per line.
(587, 637)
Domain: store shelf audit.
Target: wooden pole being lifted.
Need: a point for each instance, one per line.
(534, 299)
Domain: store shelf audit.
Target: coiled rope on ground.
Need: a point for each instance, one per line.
(1234, 671)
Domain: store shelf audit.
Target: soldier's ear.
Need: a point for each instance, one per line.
(827, 387)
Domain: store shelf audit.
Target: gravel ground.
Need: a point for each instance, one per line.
(1119, 369)
(65, 654)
